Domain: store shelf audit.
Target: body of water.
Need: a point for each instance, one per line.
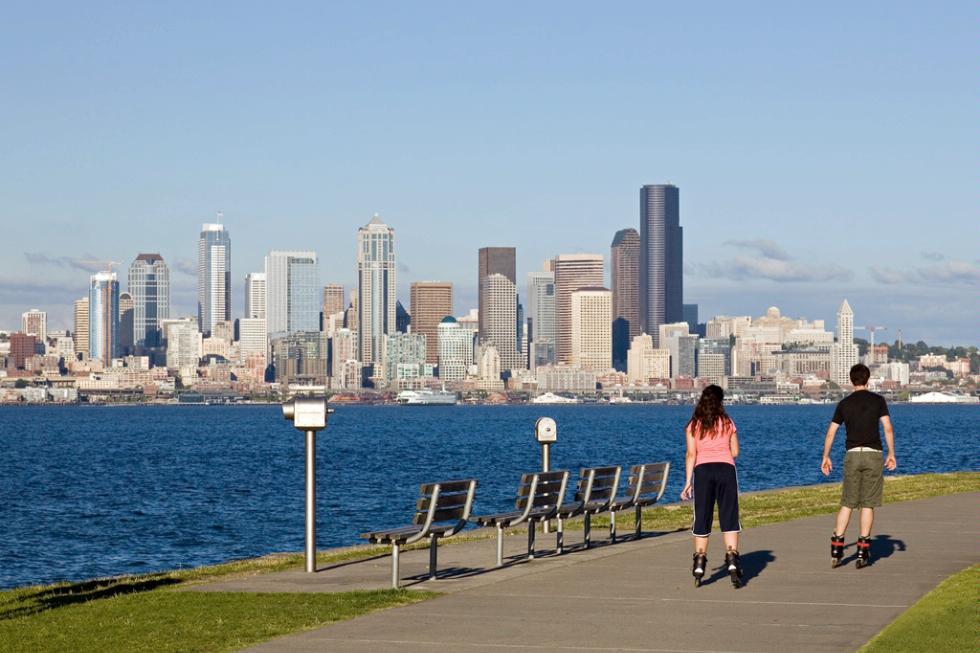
(91, 491)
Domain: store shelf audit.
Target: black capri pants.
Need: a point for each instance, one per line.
(715, 483)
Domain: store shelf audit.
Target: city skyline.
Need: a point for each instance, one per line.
(806, 175)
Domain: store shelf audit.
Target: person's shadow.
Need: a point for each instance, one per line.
(882, 546)
(753, 563)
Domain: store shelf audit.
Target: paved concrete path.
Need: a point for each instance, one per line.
(639, 596)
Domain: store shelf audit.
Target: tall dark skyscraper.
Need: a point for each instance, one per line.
(494, 260)
(661, 258)
(625, 273)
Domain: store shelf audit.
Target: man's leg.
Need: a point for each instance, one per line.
(843, 519)
(867, 520)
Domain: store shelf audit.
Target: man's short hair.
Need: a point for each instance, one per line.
(860, 374)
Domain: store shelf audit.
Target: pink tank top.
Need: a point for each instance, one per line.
(715, 446)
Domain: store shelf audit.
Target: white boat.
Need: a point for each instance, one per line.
(552, 398)
(426, 398)
(943, 398)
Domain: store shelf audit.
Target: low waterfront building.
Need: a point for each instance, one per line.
(565, 378)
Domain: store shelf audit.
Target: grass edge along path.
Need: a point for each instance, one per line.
(137, 613)
(945, 619)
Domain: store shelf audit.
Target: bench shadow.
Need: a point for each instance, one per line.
(753, 563)
(882, 546)
(347, 563)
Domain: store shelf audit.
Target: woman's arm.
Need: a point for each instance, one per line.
(733, 443)
(689, 458)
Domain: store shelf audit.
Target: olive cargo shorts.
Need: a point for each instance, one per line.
(863, 479)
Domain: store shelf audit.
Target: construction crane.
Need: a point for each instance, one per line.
(871, 329)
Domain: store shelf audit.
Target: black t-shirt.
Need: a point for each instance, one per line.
(859, 412)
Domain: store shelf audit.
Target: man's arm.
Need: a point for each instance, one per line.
(828, 442)
(886, 423)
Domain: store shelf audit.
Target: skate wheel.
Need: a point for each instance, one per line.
(834, 562)
(697, 582)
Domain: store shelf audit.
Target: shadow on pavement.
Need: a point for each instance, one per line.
(753, 563)
(882, 546)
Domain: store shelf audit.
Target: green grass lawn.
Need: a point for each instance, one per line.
(144, 613)
(945, 620)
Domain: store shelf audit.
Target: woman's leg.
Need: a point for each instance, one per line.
(728, 508)
(700, 544)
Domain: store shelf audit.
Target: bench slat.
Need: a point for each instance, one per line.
(441, 515)
(446, 486)
(444, 501)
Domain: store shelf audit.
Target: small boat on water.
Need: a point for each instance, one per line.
(552, 398)
(426, 398)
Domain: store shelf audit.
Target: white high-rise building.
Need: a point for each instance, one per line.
(292, 280)
(252, 338)
(35, 323)
(455, 349)
(541, 318)
(184, 345)
(103, 317)
(645, 362)
(213, 277)
(255, 295)
(843, 353)
(80, 332)
(591, 327)
(375, 288)
(500, 321)
(488, 367)
(572, 271)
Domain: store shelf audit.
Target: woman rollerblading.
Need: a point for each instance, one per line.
(712, 447)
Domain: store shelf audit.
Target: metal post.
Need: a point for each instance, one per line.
(612, 526)
(433, 553)
(639, 522)
(559, 539)
(530, 539)
(310, 501)
(588, 529)
(500, 545)
(394, 565)
(546, 467)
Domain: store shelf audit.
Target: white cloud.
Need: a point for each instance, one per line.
(766, 248)
(771, 262)
(945, 273)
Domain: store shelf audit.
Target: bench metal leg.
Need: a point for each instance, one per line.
(500, 545)
(612, 526)
(394, 565)
(530, 539)
(639, 522)
(433, 555)
(588, 529)
(560, 537)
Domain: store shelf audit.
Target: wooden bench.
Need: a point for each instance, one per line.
(538, 498)
(595, 492)
(646, 486)
(441, 511)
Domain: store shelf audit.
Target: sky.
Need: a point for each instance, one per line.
(822, 150)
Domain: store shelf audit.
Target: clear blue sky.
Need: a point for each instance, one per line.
(822, 150)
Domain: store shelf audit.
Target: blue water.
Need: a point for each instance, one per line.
(91, 491)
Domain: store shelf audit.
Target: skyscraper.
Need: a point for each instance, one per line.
(843, 353)
(375, 288)
(35, 323)
(292, 291)
(333, 299)
(500, 321)
(255, 295)
(572, 271)
(103, 323)
(591, 337)
(431, 301)
(661, 258)
(125, 345)
(213, 277)
(455, 349)
(541, 318)
(149, 286)
(80, 333)
(494, 260)
(624, 268)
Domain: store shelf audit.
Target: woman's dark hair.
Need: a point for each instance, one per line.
(709, 412)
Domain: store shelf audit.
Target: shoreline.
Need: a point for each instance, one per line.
(280, 560)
